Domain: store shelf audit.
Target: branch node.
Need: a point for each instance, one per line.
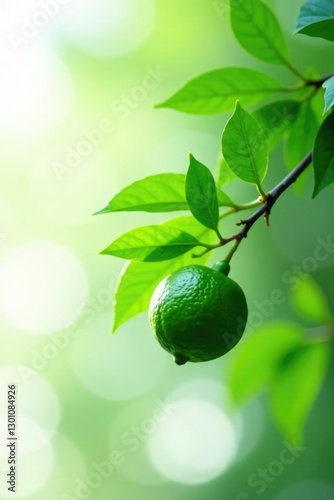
(241, 222)
(268, 202)
(266, 218)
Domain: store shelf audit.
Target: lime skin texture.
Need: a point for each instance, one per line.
(198, 313)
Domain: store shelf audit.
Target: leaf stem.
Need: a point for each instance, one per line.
(229, 212)
(260, 190)
(293, 70)
(247, 206)
(239, 207)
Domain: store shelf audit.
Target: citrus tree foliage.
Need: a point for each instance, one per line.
(280, 358)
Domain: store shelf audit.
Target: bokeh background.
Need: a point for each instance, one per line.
(111, 417)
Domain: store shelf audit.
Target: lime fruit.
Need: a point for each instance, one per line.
(197, 313)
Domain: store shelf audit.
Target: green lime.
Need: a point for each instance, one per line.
(198, 313)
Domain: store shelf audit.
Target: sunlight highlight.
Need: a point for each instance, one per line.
(187, 450)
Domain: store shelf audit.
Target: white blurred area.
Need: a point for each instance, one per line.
(34, 472)
(248, 422)
(38, 401)
(104, 28)
(185, 448)
(36, 92)
(123, 27)
(36, 89)
(43, 287)
(37, 420)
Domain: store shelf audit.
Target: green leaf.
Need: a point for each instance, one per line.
(156, 193)
(244, 147)
(255, 359)
(317, 103)
(310, 301)
(295, 385)
(275, 119)
(301, 136)
(329, 93)
(223, 199)
(224, 173)
(139, 279)
(216, 92)
(316, 19)
(323, 155)
(258, 31)
(152, 244)
(201, 194)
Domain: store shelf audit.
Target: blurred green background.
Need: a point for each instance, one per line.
(111, 417)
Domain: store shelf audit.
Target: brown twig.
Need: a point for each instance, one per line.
(273, 196)
(264, 209)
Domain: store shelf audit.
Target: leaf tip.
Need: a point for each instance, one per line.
(99, 212)
(315, 192)
(163, 104)
(104, 251)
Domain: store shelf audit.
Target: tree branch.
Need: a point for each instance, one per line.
(318, 83)
(272, 197)
(264, 210)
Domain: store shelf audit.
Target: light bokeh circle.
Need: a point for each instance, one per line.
(195, 444)
(129, 432)
(248, 423)
(31, 436)
(36, 93)
(120, 366)
(205, 388)
(10, 222)
(35, 460)
(37, 398)
(122, 28)
(43, 287)
(69, 465)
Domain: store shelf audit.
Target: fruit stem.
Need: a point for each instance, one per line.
(233, 250)
(222, 267)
